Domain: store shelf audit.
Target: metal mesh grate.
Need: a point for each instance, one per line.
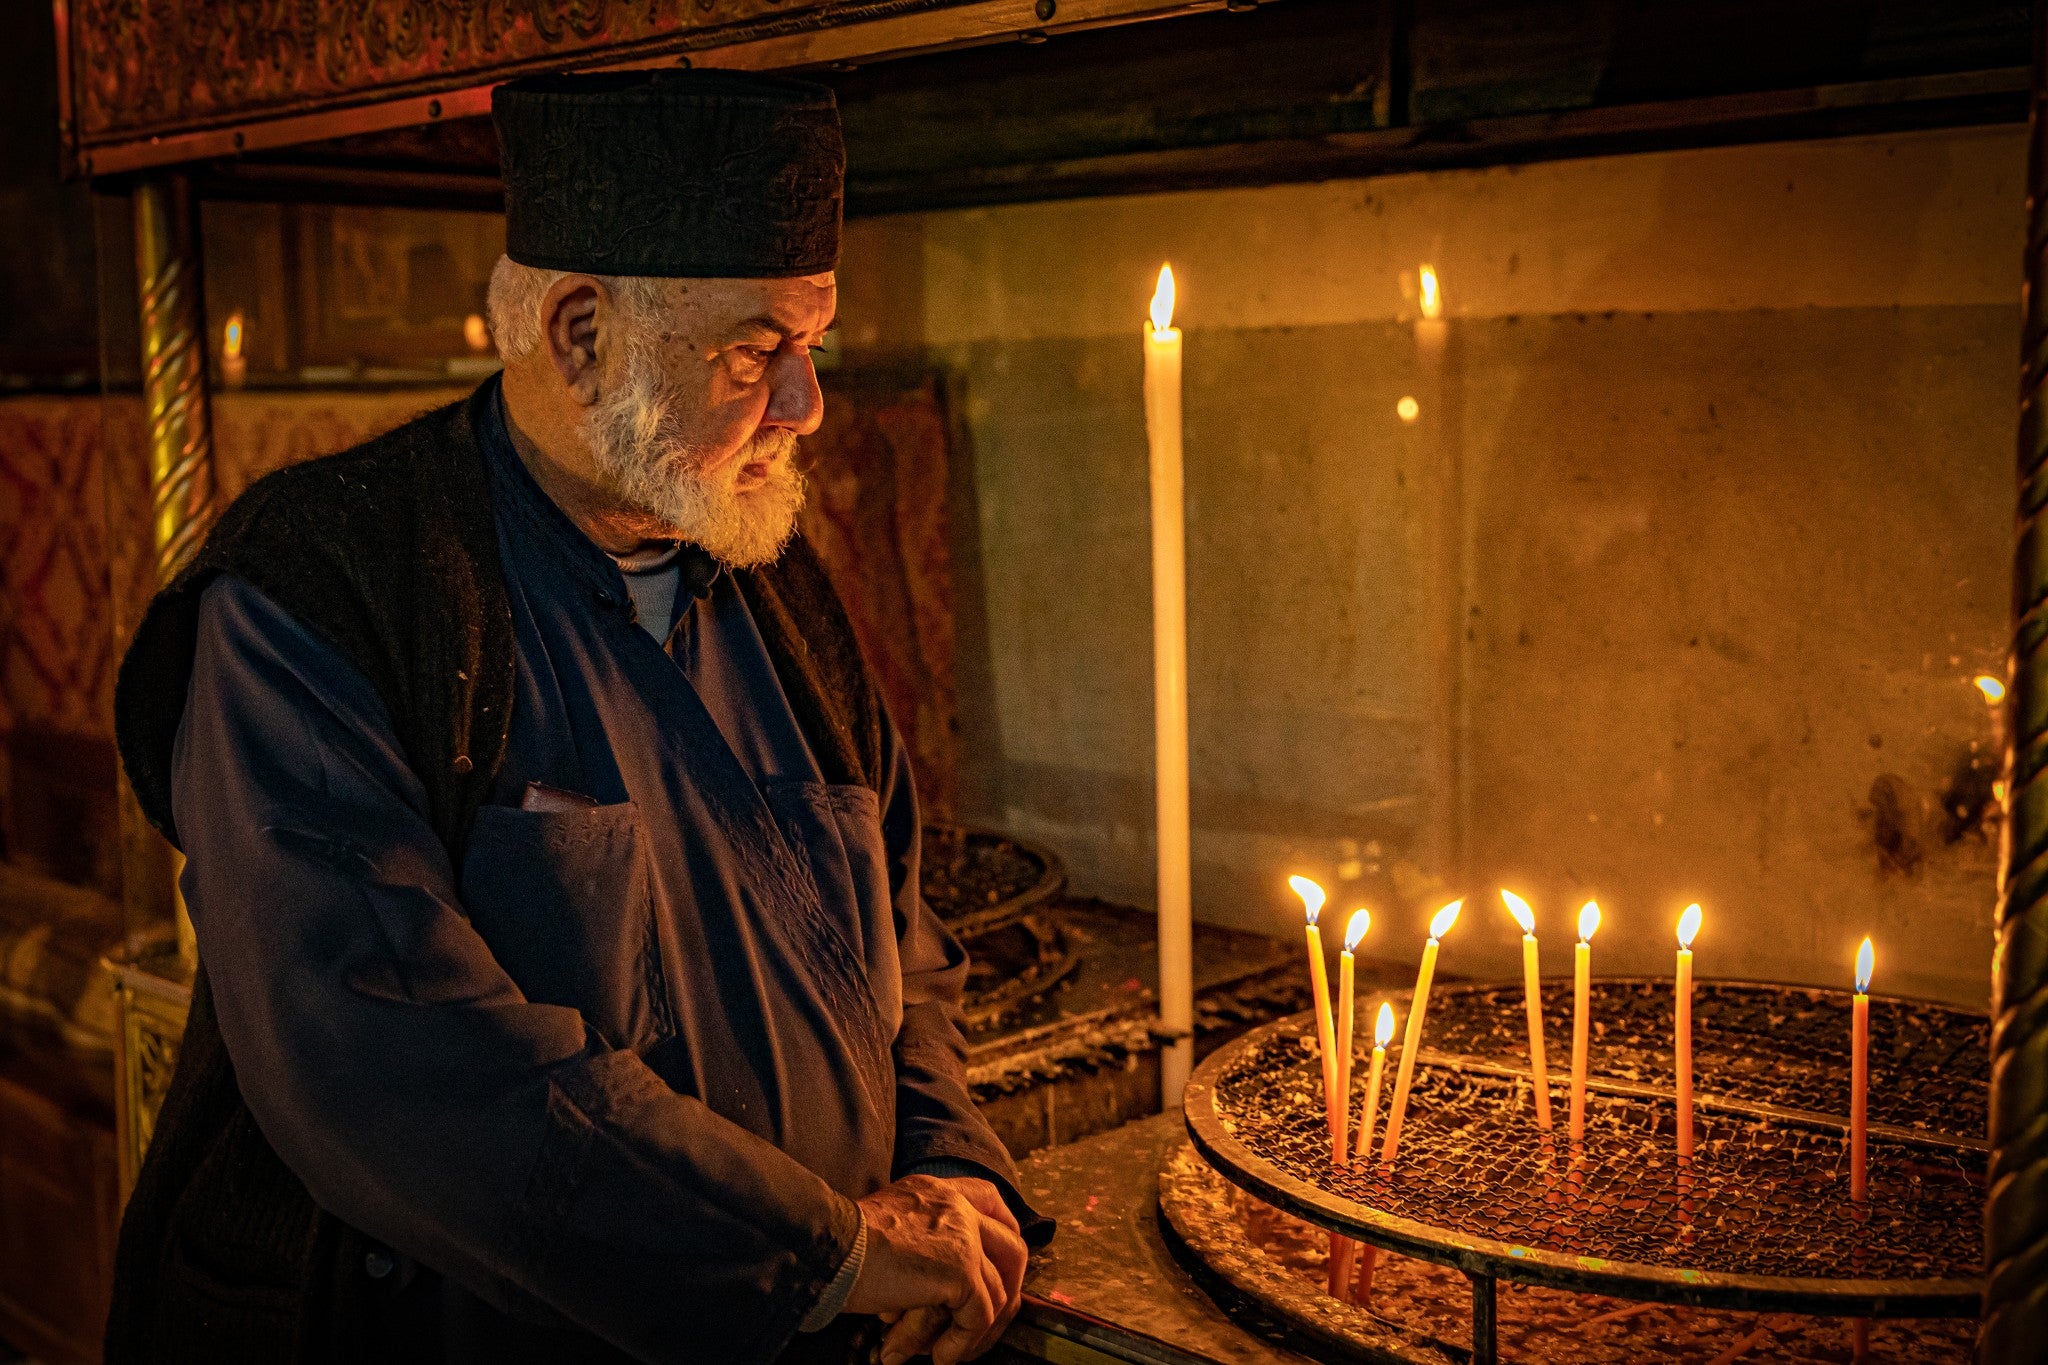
(1785, 1047)
(1763, 1198)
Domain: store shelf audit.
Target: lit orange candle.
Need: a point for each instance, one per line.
(1343, 1248)
(1688, 925)
(1532, 996)
(1859, 1074)
(1582, 990)
(1312, 898)
(1411, 1041)
(1368, 1118)
(1369, 1112)
(1347, 1004)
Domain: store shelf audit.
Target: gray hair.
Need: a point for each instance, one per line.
(513, 304)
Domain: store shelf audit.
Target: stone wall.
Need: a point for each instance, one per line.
(1674, 588)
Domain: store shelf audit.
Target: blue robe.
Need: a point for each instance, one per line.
(716, 923)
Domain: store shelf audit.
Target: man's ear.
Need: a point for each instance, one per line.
(568, 315)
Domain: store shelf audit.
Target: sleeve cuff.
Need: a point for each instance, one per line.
(952, 1168)
(840, 1290)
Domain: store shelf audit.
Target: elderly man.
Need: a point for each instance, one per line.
(565, 990)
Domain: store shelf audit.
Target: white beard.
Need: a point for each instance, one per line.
(631, 430)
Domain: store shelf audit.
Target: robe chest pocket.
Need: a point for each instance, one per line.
(562, 899)
(837, 830)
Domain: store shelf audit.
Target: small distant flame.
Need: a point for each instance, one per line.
(1519, 908)
(1992, 688)
(1383, 1030)
(1407, 409)
(1589, 920)
(1360, 926)
(1866, 961)
(1445, 918)
(1688, 925)
(231, 337)
(1429, 292)
(1312, 896)
(476, 333)
(1162, 300)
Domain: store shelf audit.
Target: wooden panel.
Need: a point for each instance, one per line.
(58, 1219)
(1298, 69)
(158, 84)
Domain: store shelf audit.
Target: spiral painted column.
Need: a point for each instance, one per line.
(2015, 1323)
(178, 416)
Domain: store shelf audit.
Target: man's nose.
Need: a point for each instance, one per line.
(794, 399)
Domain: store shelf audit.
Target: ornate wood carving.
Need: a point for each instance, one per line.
(2015, 1319)
(152, 996)
(162, 66)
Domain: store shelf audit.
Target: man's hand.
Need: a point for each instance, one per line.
(945, 1266)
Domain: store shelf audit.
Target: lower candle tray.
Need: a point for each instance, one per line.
(1760, 1220)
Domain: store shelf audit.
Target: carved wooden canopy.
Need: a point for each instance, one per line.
(154, 82)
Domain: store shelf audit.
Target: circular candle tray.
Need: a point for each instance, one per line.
(1760, 1220)
(977, 880)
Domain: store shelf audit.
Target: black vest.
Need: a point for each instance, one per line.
(390, 552)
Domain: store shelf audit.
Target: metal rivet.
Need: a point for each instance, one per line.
(238, 142)
(683, 61)
(1046, 10)
(433, 108)
(463, 765)
(378, 1264)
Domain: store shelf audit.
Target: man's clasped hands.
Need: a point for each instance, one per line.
(944, 1267)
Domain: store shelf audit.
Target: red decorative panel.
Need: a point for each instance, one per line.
(877, 516)
(56, 639)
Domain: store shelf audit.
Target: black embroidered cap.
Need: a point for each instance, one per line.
(685, 174)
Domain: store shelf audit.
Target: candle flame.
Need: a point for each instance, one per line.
(1445, 918)
(1361, 924)
(1519, 908)
(1312, 896)
(1992, 688)
(1383, 1030)
(1866, 960)
(1162, 300)
(1688, 925)
(1589, 920)
(1429, 292)
(231, 336)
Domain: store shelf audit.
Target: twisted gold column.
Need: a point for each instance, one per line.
(178, 415)
(2015, 1322)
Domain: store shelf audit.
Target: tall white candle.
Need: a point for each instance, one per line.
(1170, 693)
